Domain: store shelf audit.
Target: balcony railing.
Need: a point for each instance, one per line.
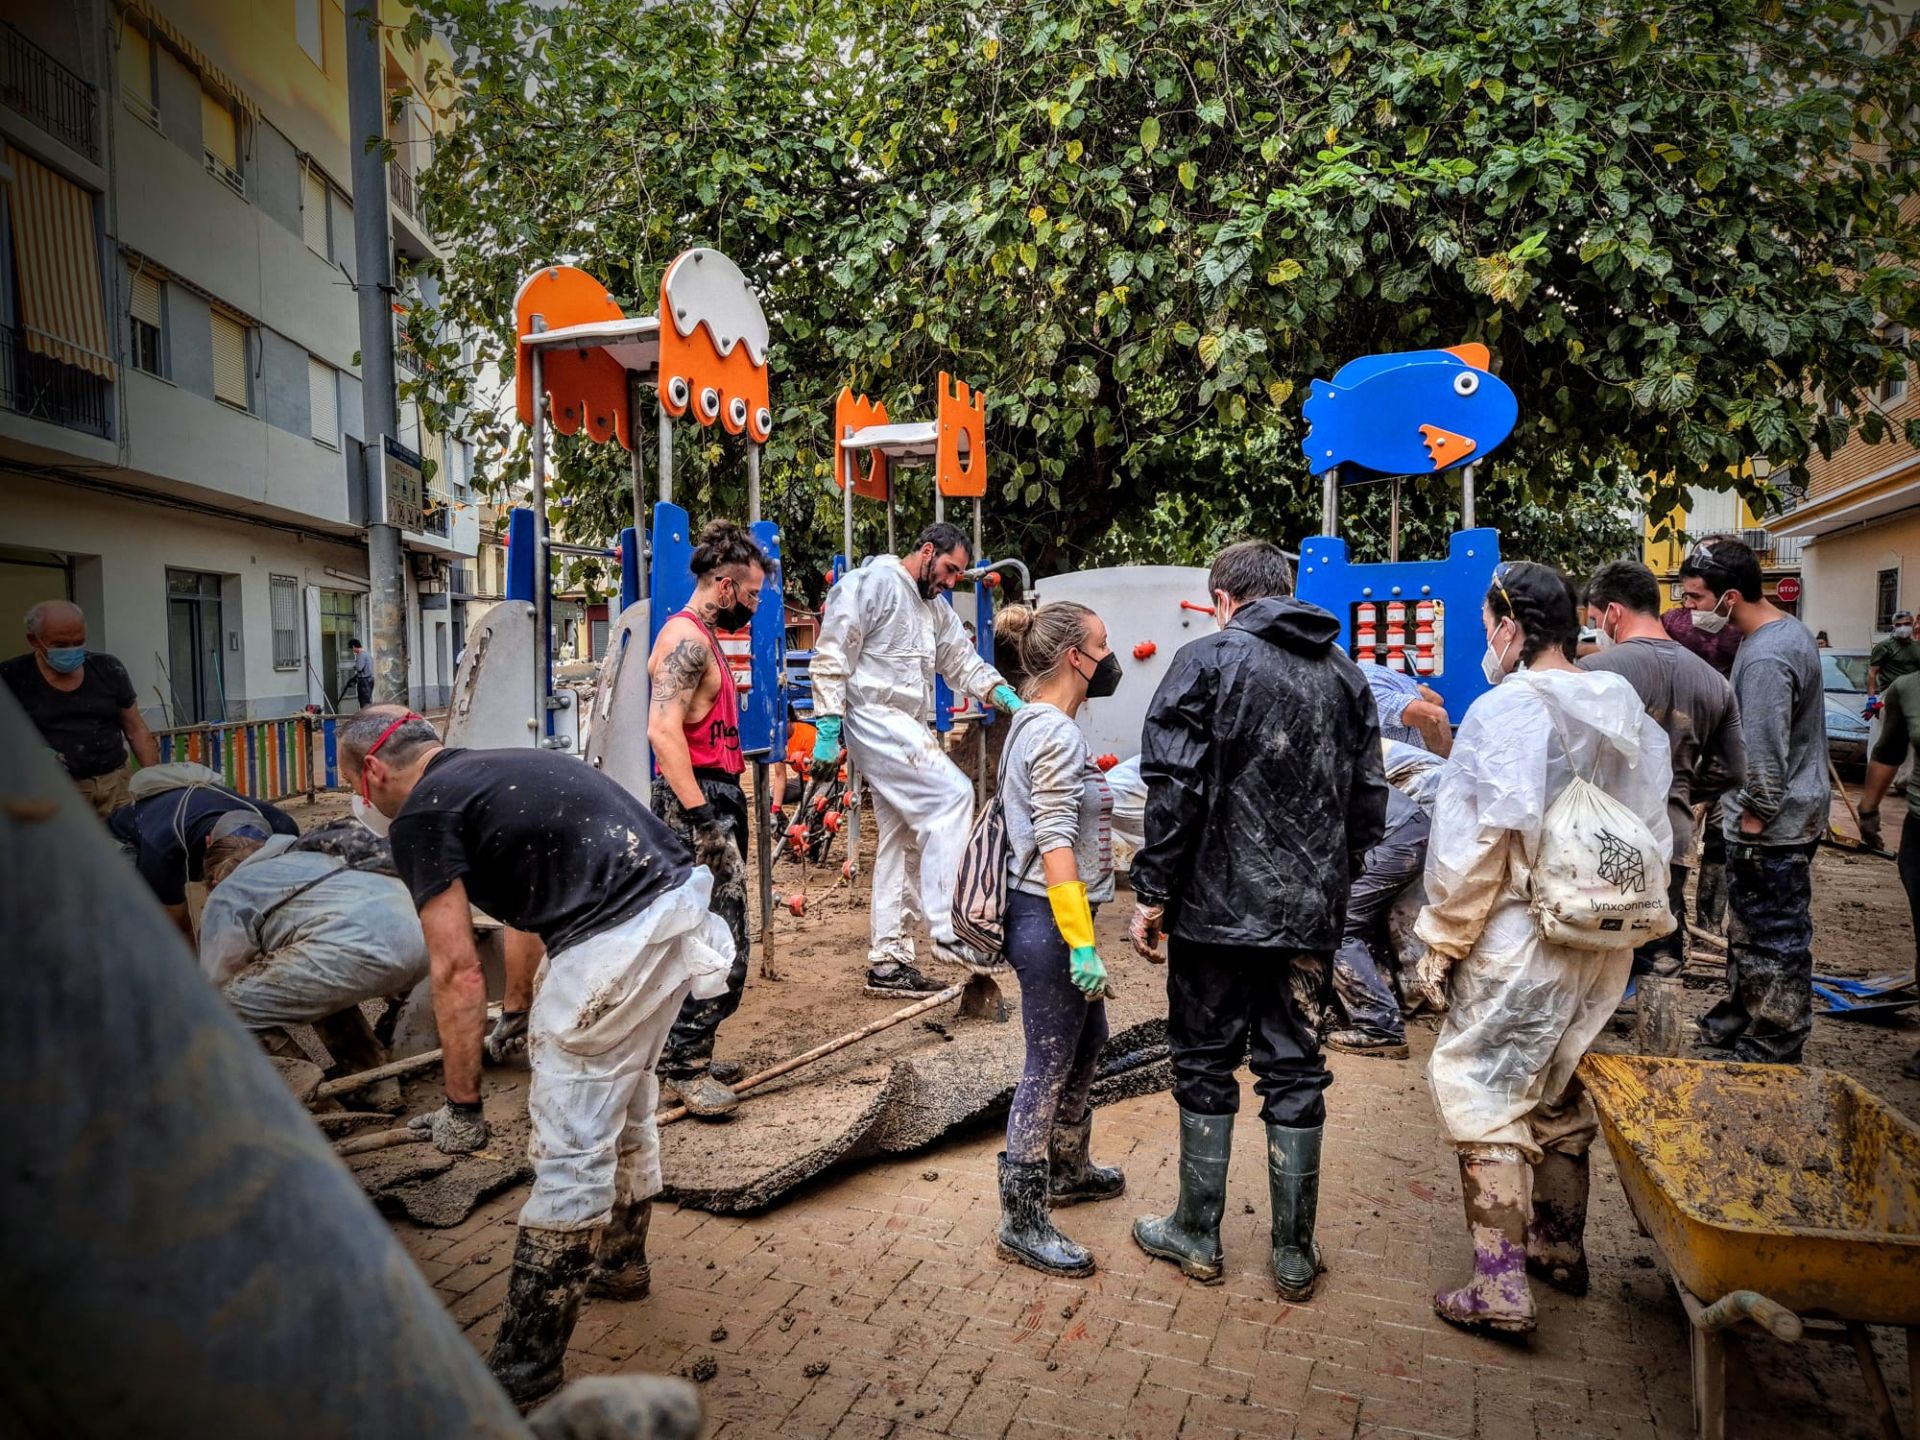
(46, 92)
(400, 187)
(45, 389)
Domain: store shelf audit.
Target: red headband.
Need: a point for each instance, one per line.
(374, 748)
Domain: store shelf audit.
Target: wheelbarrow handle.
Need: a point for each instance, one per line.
(1729, 1310)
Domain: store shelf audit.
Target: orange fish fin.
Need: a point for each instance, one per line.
(1445, 447)
(1474, 353)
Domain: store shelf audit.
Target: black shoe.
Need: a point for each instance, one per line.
(897, 977)
(1293, 1188)
(1912, 1068)
(1075, 1178)
(1026, 1229)
(1190, 1236)
(549, 1276)
(1359, 1042)
(620, 1269)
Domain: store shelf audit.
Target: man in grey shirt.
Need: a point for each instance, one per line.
(1775, 819)
(1689, 699)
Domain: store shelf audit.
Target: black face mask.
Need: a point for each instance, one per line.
(1105, 678)
(734, 617)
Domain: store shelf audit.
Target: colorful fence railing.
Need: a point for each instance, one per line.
(264, 759)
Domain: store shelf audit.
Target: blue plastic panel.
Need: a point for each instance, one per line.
(520, 555)
(763, 712)
(671, 580)
(1405, 414)
(1459, 583)
(629, 569)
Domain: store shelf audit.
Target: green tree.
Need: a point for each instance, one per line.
(1144, 226)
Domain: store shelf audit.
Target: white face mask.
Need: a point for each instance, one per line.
(1493, 664)
(1903, 632)
(1710, 622)
(370, 815)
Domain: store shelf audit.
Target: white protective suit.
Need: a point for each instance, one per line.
(1129, 789)
(291, 937)
(601, 1012)
(1523, 1012)
(881, 645)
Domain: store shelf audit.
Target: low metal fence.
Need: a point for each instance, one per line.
(263, 759)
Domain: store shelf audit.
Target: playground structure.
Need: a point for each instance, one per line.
(868, 448)
(584, 365)
(1381, 417)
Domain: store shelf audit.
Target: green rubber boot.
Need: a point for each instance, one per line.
(1190, 1236)
(1293, 1185)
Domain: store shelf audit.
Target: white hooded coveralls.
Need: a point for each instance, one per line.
(881, 645)
(1523, 1011)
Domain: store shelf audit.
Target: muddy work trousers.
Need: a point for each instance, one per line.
(599, 1020)
(1064, 1030)
(690, 1042)
(1910, 875)
(922, 810)
(1768, 1010)
(1221, 999)
(1360, 983)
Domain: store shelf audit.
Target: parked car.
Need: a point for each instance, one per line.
(1844, 673)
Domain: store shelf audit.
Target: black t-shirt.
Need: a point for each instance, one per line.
(169, 833)
(544, 842)
(82, 726)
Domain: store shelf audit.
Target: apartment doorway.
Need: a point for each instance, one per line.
(195, 662)
(339, 624)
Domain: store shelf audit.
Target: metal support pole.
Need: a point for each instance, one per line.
(666, 456)
(846, 523)
(373, 287)
(1330, 502)
(892, 544)
(982, 615)
(939, 504)
(762, 799)
(1466, 497)
(542, 566)
(638, 456)
(753, 484)
(846, 511)
(1393, 525)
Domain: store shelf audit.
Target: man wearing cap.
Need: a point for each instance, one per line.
(169, 832)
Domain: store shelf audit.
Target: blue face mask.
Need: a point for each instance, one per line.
(67, 658)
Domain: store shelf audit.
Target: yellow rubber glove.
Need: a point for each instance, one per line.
(1074, 917)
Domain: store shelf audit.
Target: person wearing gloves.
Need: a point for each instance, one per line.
(1059, 815)
(1261, 753)
(886, 633)
(693, 722)
(1520, 1011)
(555, 848)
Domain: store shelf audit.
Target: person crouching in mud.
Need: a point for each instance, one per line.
(1261, 753)
(1521, 1011)
(1059, 815)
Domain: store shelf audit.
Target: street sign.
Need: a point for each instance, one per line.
(1788, 589)
(399, 494)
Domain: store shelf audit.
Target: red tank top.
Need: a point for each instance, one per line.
(713, 741)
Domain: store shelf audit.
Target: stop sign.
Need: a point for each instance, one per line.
(1788, 589)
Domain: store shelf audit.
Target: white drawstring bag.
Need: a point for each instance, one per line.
(1599, 881)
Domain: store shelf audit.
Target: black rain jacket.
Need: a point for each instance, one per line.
(1265, 788)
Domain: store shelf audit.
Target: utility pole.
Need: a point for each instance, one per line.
(373, 286)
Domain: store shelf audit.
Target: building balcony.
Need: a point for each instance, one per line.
(42, 388)
(41, 89)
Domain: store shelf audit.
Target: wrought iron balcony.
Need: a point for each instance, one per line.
(46, 92)
(42, 388)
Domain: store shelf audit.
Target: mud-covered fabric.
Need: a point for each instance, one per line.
(1783, 725)
(1360, 984)
(1910, 875)
(1668, 954)
(1064, 1030)
(1767, 1012)
(690, 1043)
(1223, 999)
(1261, 753)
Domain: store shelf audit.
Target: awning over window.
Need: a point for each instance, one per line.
(150, 12)
(62, 305)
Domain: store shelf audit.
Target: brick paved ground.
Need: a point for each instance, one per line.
(873, 1305)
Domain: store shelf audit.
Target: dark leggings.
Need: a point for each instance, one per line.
(1064, 1030)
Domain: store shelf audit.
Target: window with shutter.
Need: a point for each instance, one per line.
(313, 212)
(144, 316)
(230, 361)
(306, 30)
(284, 593)
(136, 72)
(323, 396)
(220, 139)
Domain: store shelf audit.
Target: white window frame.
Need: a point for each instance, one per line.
(311, 13)
(295, 653)
(147, 106)
(315, 365)
(245, 327)
(228, 174)
(162, 356)
(313, 178)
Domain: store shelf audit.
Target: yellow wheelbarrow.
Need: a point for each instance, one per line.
(1778, 1195)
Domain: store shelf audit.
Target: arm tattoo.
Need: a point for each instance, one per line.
(681, 672)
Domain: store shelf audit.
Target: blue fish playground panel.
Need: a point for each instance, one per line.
(1419, 412)
(1455, 588)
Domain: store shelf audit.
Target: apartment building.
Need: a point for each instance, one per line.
(181, 437)
(1723, 512)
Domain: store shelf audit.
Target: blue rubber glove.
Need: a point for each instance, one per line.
(826, 739)
(1083, 964)
(1006, 700)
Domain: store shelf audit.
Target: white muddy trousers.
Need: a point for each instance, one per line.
(600, 1018)
(922, 810)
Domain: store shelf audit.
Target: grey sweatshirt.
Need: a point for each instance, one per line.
(1783, 724)
(1055, 795)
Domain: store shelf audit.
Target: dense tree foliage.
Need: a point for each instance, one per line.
(1144, 225)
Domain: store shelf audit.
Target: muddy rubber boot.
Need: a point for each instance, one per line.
(1359, 1042)
(1497, 1298)
(543, 1301)
(705, 1097)
(1026, 1230)
(1075, 1177)
(1710, 898)
(1190, 1236)
(1293, 1186)
(1556, 1238)
(620, 1269)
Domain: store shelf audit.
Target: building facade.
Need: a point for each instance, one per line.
(1723, 512)
(181, 441)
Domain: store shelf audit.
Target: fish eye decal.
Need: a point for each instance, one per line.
(736, 414)
(1417, 412)
(677, 392)
(1465, 383)
(763, 421)
(713, 345)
